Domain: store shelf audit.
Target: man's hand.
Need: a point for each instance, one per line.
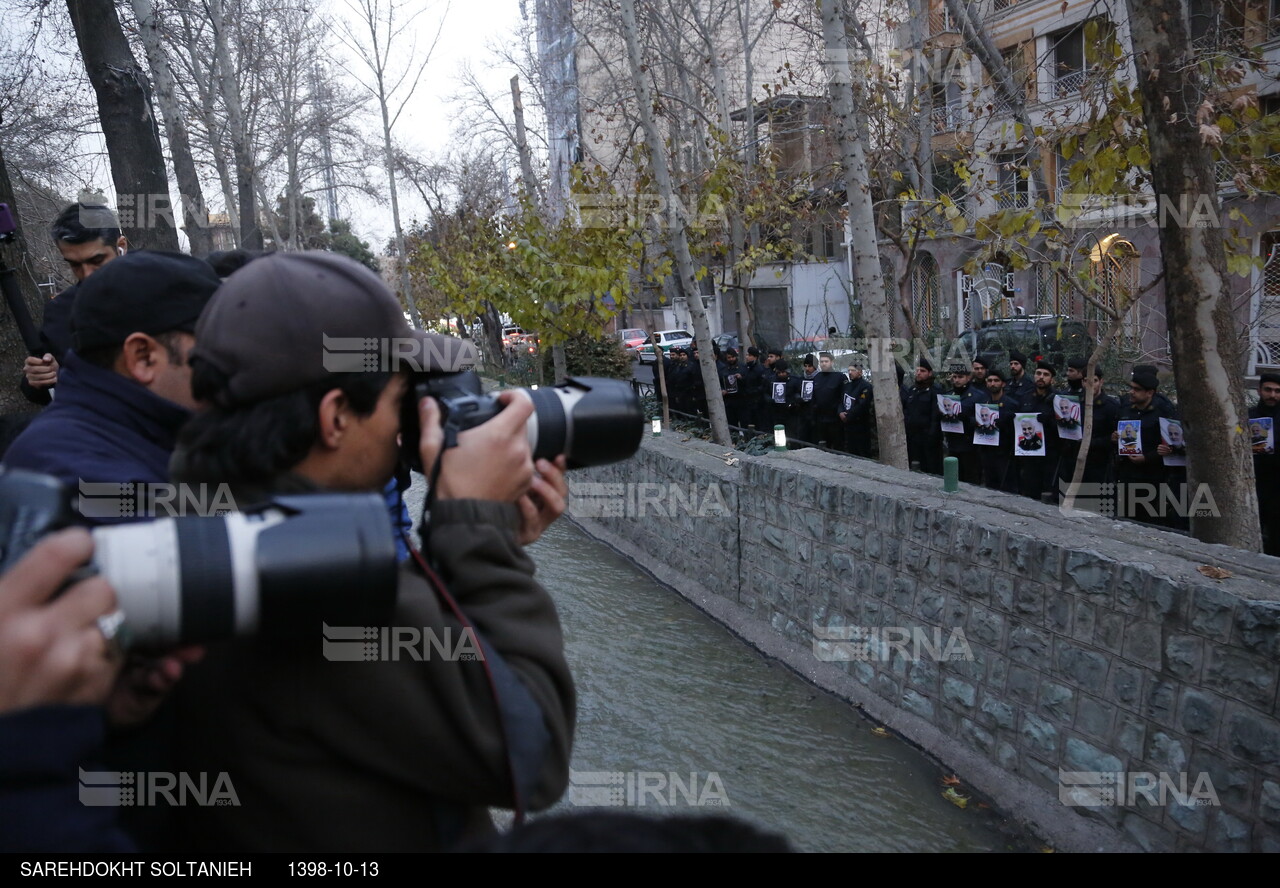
(1137, 458)
(545, 501)
(144, 684)
(41, 373)
(51, 649)
(490, 462)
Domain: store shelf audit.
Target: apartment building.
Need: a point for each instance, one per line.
(1058, 55)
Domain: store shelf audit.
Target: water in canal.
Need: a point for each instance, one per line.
(666, 693)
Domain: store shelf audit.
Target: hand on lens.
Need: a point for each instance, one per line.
(52, 650)
(545, 502)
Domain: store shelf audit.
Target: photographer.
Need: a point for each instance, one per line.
(400, 753)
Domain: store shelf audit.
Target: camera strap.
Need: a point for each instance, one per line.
(438, 584)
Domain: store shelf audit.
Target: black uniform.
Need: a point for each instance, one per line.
(1147, 495)
(1266, 473)
(857, 401)
(826, 408)
(752, 386)
(1039, 474)
(960, 445)
(996, 460)
(924, 437)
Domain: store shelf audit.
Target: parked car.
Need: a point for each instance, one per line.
(840, 347)
(727, 341)
(668, 339)
(1052, 338)
(632, 338)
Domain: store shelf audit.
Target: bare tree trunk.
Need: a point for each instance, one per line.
(868, 282)
(13, 256)
(195, 217)
(250, 233)
(676, 235)
(559, 365)
(128, 125)
(1202, 331)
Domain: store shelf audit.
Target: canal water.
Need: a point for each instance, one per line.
(678, 716)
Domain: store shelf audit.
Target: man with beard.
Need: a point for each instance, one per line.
(996, 460)
(1039, 474)
(919, 402)
(857, 401)
(1019, 386)
(960, 445)
(826, 403)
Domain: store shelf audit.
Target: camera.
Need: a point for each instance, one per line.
(591, 420)
(276, 570)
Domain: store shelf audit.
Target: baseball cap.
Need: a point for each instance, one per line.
(1147, 380)
(144, 291)
(288, 320)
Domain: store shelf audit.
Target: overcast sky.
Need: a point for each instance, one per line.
(427, 123)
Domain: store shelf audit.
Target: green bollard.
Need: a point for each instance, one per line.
(950, 475)
(780, 439)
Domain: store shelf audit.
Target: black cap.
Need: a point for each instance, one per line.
(1078, 364)
(753, 351)
(924, 362)
(730, 352)
(1018, 356)
(994, 371)
(145, 291)
(983, 360)
(781, 367)
(1045, 365)
(808, 360)
(1273, 378)
(288, 320)
(1147, 380)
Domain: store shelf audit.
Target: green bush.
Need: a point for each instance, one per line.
(589, 356)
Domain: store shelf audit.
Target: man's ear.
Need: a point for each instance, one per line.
(333, 414)
(138, 358)
(122, 245)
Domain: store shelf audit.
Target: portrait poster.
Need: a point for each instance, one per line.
(1171, 435)
(1130, 437)
(1066, 409)
(1028, 435)
(949, 406)
(1261, 431)
(986, 431)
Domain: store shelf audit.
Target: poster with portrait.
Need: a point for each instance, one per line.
(986, 431)
(949, 406)
(1130, 442)
(1066, 410)
(1261, 431)
(1028, 435)
(1171, 435)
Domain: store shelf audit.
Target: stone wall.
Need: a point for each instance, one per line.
(1051, 643)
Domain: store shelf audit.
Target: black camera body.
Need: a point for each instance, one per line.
(591, 420)
(278, 569)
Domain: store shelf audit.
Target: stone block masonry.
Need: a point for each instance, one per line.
(1080, 671)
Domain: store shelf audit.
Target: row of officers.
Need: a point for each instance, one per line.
(1009, 430)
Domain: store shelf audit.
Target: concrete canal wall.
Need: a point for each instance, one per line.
(1011, 641)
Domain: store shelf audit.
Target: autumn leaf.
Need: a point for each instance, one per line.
(1215, 573)
(1210, 134)
(960, 801)
(880, 732)
(952, 780)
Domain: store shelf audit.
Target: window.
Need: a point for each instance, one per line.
(946, 180)
(1015, 59)
(1062, 167)
(1266, 325)
(926, 292)
(1114, 268)
(1012, 186)
(1074, 53)
(948, 99)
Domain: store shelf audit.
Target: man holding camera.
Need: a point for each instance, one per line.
(400, 752)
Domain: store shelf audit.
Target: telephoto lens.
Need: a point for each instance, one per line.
(591, 420)
(278, 571)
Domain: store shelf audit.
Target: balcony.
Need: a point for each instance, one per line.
(946, 118)
(1070, 83)
(1013, 200)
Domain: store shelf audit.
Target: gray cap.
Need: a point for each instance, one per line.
(288, 320)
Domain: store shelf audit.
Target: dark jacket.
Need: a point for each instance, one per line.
(101, 428)
(857, 399)
(961, 442)
(1152, 469)
(392, 754)
(55, 338)
(1009, 406)
(41, 809)
(918, 410)
(827, 386)
(1266, 466)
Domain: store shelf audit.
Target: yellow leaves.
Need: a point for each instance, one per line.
(955, 798)
(880, 731)
(1214, 573)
